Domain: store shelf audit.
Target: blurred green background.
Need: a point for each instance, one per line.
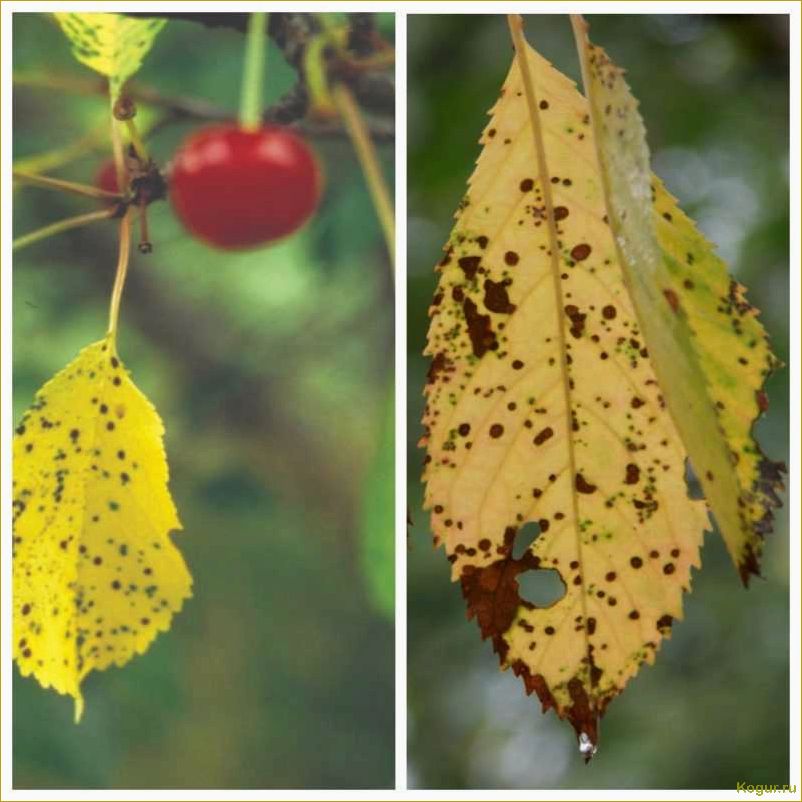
(714, 710)
(272, 371)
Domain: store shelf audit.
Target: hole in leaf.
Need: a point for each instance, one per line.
(525, 537)
(692, 484)
(543, 587)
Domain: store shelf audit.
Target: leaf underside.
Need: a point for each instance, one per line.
(112, 44)
(95, 573)
(544, 405)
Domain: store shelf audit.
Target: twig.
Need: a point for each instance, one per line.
(46, 182)
(123, 259)
(289, 110)
(366, 154)
(60, 226)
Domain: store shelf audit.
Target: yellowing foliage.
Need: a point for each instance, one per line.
(545, 404)
(710, 351)
(96, 575)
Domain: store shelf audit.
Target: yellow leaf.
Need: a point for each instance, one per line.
(711, 353)
(111, 44)
(96, 575)
(544, 407)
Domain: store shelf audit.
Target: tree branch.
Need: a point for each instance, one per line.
(291, 32)
(288, 110)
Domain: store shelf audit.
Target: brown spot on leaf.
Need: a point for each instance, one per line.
(633, 474)
(496, 298)
(492, 593)
(440, 364)
(577, 319)
(543, 435)
(673, 300)
(583, 486)
(580, 252)
(482, 337)
(469, 265)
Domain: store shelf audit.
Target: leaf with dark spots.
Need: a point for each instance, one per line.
(557, 415)
(67, 554)
(709, 339)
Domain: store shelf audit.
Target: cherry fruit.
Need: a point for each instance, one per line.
(106, 177)
(237, 189)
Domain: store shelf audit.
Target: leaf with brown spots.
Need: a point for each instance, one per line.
(96, 576)
(710, 352)
(552, 410)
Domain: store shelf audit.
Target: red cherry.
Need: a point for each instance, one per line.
(238, 189)
(106, 177)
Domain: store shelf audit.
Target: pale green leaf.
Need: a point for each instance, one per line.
(112, 44)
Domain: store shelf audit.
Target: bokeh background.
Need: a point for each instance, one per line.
(272, 371)
(714, 709)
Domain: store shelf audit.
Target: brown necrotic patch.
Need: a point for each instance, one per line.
(577, 319)
(469, 265)
(480, 332)
(583, 486)
(496, 298)
(441, 364)
(632, 476)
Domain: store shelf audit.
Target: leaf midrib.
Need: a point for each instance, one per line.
(516, 30)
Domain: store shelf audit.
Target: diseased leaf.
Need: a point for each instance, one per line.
(96, 575)
(112, 44)
(544, 407)
(711, 353)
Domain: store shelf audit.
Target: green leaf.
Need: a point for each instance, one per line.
(112, 44)
(378, 519)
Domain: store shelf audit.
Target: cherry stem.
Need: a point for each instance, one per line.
(144, 238)
(122, 270)
(366, 153)
(250, 111)
(117, 149)
(86, 190)
(137, 142)
(62, 225)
